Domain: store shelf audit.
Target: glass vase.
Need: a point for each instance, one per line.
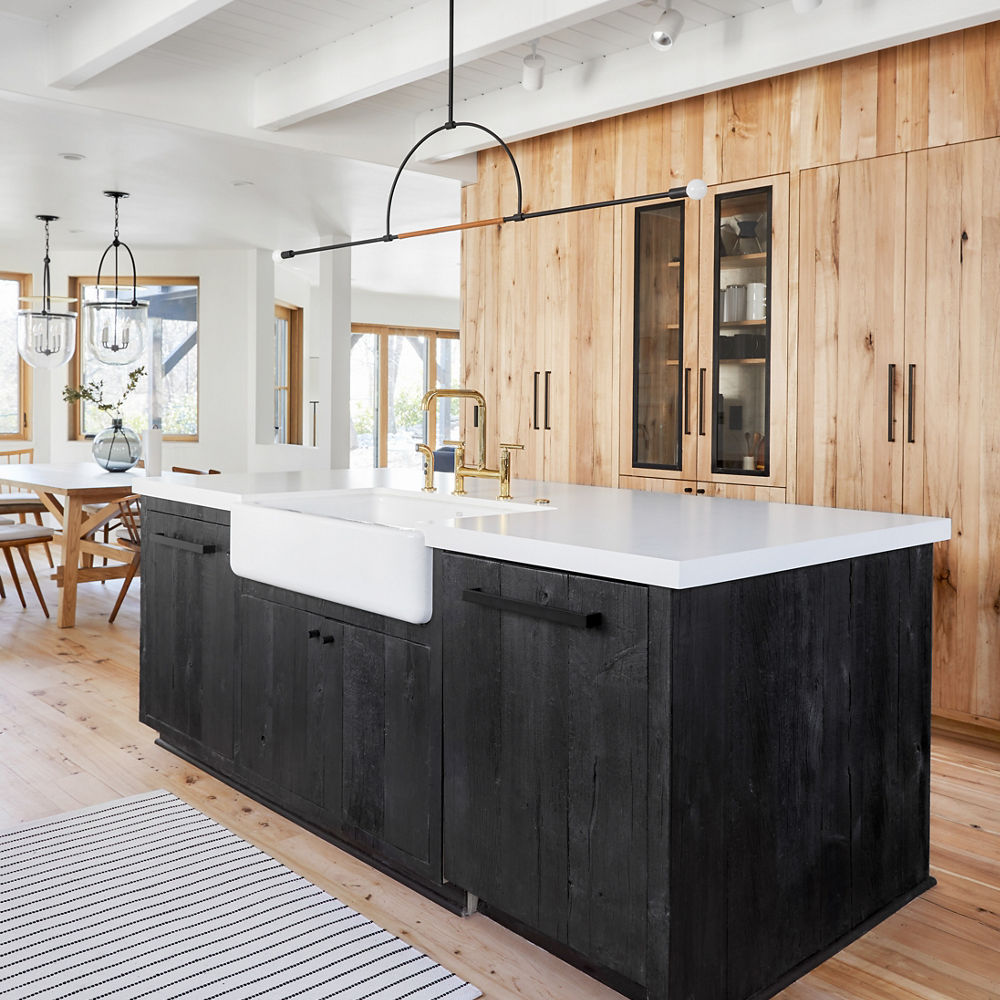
(117, 448)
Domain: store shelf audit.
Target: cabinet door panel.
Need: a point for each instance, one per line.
(545, 757)
(389, 728)
(953, 233)
(190, 641)
(852, 288)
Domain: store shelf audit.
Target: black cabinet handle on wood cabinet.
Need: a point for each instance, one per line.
(574, 619)
(535, 404)
(701, 401)
(548, 383)
(909, 404)
(892, 402)
(180, 543)
(687, 400)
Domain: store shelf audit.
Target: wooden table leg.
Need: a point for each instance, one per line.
(72, 524)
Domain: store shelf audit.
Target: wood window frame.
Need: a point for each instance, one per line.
(75, 429)
(294, 316)
(24, 369)
(383, 332)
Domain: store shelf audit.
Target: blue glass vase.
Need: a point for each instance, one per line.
(117, 448)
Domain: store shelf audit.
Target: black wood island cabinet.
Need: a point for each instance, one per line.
(693, 794)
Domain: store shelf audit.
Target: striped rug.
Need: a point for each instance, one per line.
(147, 897)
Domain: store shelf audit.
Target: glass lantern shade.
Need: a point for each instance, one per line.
(46, 339)
(116, 331)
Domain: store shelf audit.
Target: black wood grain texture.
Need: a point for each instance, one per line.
(545, 757)
(189, 645)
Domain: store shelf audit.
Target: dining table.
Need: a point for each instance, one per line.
(82, 497)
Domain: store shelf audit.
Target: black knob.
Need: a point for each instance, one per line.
(327, 639)
(700, 492)
(314, 633)
(688, 489)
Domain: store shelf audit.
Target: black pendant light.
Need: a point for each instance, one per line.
(46, 339)
(695, 189)
(115, 327)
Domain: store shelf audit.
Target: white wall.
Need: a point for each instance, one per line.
(368, 306)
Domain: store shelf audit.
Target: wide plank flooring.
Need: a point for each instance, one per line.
(69, 737)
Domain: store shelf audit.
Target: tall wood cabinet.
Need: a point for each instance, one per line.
(704, 300)
(899, 358)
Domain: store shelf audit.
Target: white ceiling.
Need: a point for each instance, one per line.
(317, 101)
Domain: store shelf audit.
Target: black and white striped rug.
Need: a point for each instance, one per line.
(147, 897)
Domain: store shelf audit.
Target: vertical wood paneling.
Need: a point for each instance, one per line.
(912, 96)
(859, 102)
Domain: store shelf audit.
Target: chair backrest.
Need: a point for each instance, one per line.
(130, 513)
(197, 472)
(18, 456)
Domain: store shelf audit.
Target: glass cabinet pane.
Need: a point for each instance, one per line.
(741, 333)
(658, 345)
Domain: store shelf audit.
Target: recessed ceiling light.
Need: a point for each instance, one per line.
(72, 156)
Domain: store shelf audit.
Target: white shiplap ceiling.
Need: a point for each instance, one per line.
(316, 101)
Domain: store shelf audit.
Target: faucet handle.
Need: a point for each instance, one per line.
(453, 443)
(512, 447)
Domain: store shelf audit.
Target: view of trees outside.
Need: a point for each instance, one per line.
(10, 373)
(406, 363)
(173, 329)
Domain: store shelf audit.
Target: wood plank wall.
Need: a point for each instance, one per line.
(919, 96)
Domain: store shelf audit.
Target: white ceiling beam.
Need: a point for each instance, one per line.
(411, 46)
(94, 36)
(764, 43)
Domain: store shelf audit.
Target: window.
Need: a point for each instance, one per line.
(173, 331)
(287, 375)
(391, 369)
(15, 375)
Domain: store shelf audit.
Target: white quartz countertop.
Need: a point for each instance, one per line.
(666, 540)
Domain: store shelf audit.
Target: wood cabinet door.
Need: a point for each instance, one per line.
(545, 754)
(952, 466)
(777, 425)
(852, 300)
(190, 639)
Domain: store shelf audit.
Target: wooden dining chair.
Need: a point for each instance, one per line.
(130, 516)
(20, 536)
(16, 503)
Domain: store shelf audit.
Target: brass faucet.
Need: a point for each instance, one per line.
(479, 470)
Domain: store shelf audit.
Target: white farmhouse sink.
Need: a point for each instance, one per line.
(364, 548)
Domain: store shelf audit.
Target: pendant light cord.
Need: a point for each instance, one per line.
(46, 280)
(116, 243)
(451, 65)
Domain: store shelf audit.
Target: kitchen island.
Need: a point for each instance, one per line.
(681, 741)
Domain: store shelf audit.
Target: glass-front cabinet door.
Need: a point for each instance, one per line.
(743, 339)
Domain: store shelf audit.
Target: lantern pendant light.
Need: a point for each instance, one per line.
(115, 328)
(46, 339)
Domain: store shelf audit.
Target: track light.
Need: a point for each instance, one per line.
(805, 6)
(533, 70)
(667, 28)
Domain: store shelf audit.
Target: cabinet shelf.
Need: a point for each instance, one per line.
(744, 260)
(742, 323)
(742, 361)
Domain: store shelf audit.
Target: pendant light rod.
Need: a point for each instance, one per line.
(519, 216)
(115, 244)
(46, 279)
(673, 194)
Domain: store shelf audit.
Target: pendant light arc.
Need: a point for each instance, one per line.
(695, 189)
(116, 328)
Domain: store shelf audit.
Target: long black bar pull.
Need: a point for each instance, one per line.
(574, 619)
(180, 543)
(909, 404)
(892, 402)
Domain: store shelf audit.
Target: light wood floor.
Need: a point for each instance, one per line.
(69, 738)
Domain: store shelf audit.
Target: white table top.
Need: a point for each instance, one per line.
(68, 477)
(662, 539)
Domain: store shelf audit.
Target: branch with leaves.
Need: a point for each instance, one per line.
(93, 392)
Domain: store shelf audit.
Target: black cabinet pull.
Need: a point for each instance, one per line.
(548, 383)
(574, 619)
(327, 639)
(687, 400)
(535, 404)
(180, 543)
(701, 401)
(892, 402)
(314, 633)
(909, 405)
(689, 489)
(701, 493)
